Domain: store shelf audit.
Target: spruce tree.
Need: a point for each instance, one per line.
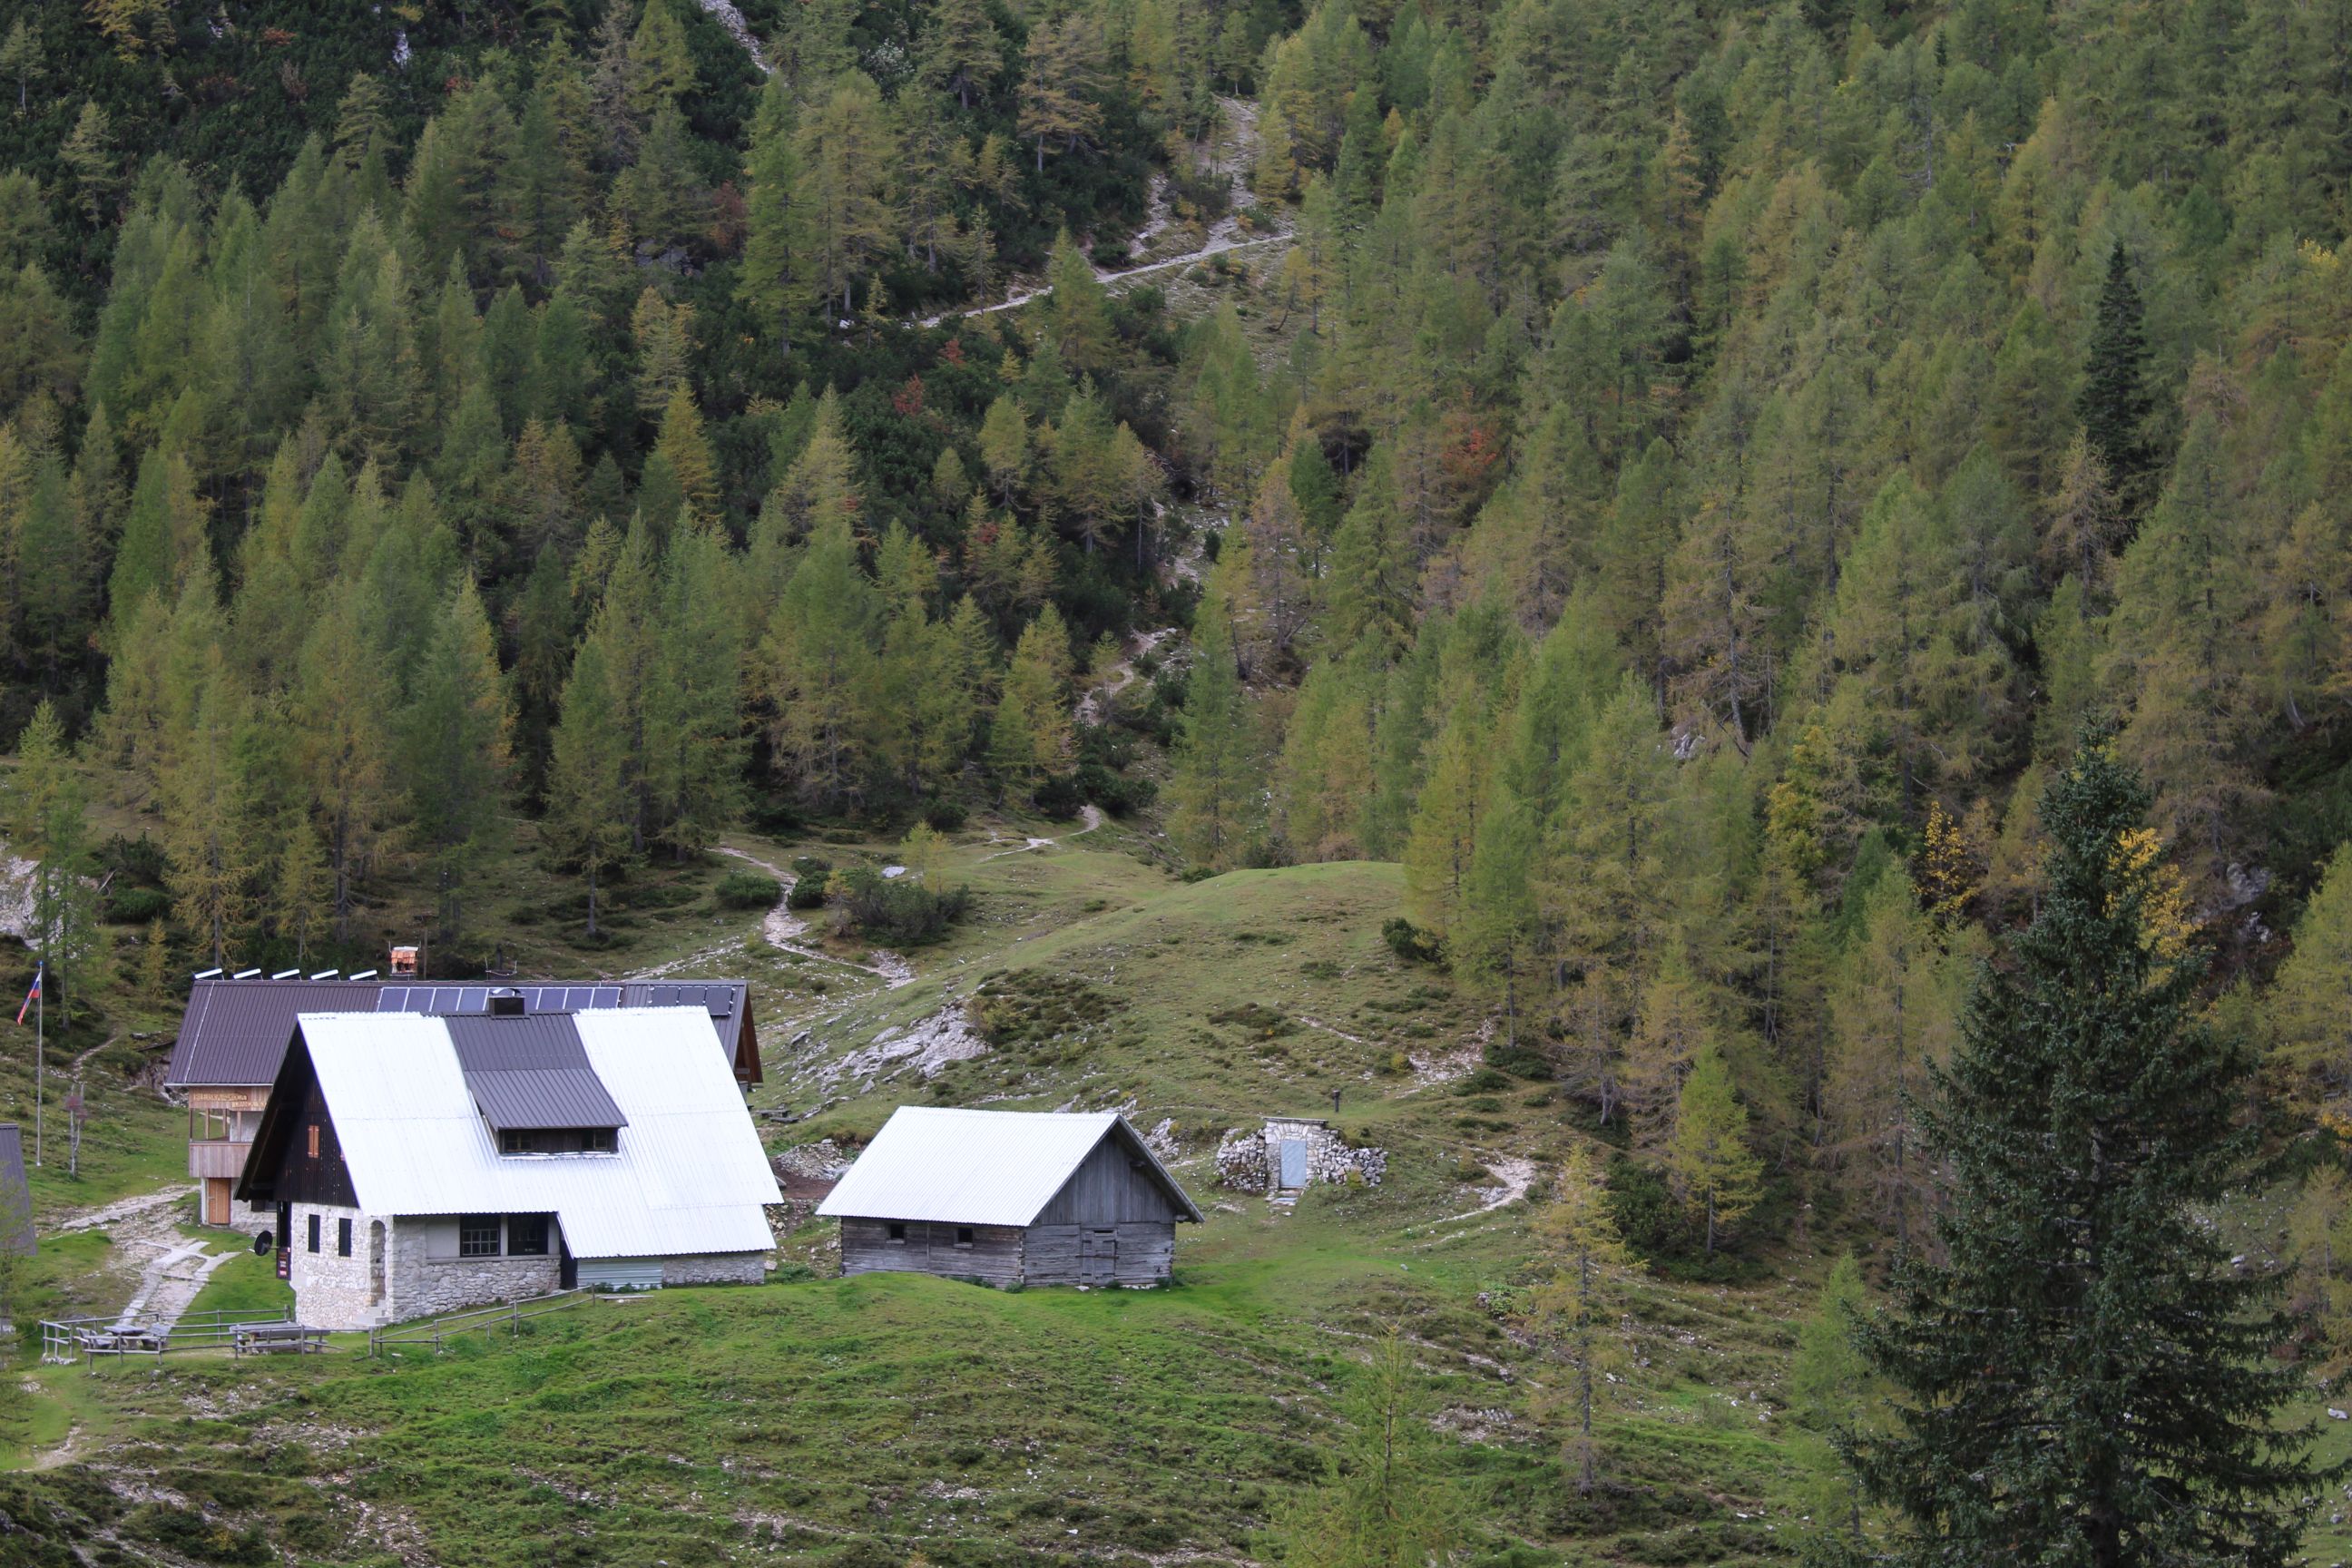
(2084, 1377)
(2115, 402)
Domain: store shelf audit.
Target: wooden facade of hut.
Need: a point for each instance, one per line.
(1010, 1198)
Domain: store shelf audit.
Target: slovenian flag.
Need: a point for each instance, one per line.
(35, 993)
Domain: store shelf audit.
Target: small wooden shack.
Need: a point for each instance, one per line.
(1010, 1198)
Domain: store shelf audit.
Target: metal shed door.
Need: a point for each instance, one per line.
(1097, 1257)
(1293, 1164)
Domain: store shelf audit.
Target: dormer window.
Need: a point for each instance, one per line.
(559, 1140)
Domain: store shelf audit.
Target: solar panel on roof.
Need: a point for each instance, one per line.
(392, 999)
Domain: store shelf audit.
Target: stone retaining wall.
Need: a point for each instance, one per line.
(1250, 1161)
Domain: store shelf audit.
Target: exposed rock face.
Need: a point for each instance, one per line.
(1252, 1161)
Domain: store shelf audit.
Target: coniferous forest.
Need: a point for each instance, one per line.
(1819, 532)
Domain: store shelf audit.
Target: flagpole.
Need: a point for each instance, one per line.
(40, 1055)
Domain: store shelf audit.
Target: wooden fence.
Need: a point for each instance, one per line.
(508, 1315)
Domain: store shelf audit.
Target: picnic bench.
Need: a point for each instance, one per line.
(123, 1342)
(274, 1339)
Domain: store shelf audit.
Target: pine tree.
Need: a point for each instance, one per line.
(1580, 1302)
(1712, 1166)
(2087, 1119)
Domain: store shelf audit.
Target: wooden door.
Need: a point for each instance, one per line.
(1097, 1257)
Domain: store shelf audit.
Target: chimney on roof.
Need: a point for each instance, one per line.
(506, 1002)
(403, 963)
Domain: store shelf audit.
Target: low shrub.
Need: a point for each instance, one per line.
(747, 890)
(134, 905)
(895, 911)
(810, 875)
(1412, 943)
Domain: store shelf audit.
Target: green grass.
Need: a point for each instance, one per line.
(855, 1422)
(249, 1287)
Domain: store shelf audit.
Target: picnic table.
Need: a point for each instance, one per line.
(123, 1342)
(272, 1339)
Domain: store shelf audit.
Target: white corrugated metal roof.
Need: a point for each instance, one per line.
(971, 1167)
(689, 1176)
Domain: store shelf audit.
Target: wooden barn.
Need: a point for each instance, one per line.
(1010, 1197)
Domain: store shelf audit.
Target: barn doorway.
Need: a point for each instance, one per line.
(1293, 1165)
(375, 1262)
(1097, 1257)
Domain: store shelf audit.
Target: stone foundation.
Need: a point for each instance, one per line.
(1252, 1161)
(715, 1268)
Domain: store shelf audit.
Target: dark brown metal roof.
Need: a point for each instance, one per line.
(529, 1071)
(235, 1032)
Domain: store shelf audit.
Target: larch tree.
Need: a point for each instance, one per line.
(340, 698)
(1060, 84)
(588, 807)
(48, 821)
(2310, 1009)
(1709, 1159)
(1386, 1497)
(457, 749)
(1578, 1303)
(846, 150)
(1219, 775)
(775, 281)
(960, 51)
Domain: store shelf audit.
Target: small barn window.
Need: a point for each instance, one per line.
(898, 1233)
(314, 1147)
(478, 1236)
(314, 1233)
(525, 1235)
(963, 1236)
(342, 1239)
